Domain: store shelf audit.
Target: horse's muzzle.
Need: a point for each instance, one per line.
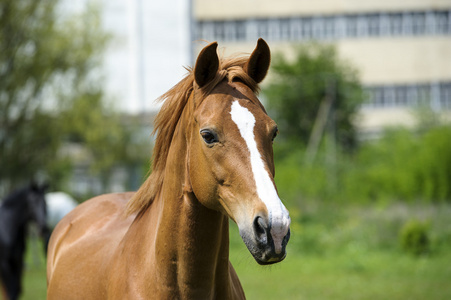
(262, 243)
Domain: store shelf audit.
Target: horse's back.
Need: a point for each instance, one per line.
(82, 244)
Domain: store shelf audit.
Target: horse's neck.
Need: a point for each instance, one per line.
(191, 238)
(187, 242)
(192, 247)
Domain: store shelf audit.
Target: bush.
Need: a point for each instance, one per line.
(407, 166)
(302, 84)
(414, 238)
(401, 166)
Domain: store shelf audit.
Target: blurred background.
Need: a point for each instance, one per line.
(361, 91)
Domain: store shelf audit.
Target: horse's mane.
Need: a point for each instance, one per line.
(165, 123)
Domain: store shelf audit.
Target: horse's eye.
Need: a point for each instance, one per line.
(276, 132)
(208, 136)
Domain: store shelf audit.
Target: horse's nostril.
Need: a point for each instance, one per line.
(286, 238)
(260, 228)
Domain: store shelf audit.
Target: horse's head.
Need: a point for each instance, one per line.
(231, 165)
(36, 205)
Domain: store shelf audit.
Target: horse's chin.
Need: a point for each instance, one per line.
(263, 253)
(270, 261)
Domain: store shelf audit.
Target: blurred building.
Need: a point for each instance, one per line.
(402, 48)
(150, 43)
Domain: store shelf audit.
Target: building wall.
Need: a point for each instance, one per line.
(401, 48)
(381, 61)
(401, 60)
(230, 9)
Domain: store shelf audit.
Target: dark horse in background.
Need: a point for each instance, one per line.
(16, 211)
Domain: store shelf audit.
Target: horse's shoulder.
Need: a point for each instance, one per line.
(114, 199)
(93, 215)
(97, 223)
(103, 204)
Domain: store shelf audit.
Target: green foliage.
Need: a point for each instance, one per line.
(406, 165)
(51, 95)
(39, 54)
(299, 87)
(401, 165)
(103, 132)
(414, 237)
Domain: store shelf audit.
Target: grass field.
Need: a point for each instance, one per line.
(373, 275)
(338, 253)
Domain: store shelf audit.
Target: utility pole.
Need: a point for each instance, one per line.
(321, 120)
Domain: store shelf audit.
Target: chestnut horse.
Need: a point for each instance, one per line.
(212, 161)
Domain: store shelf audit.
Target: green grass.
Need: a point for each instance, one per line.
(373, 275)
(346, 253)
(353, 252)
(34, 283)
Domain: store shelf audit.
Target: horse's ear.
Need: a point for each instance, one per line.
(34, 186)
(258, 64)
(207, 65)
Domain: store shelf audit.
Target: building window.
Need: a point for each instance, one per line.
(445, 95)
(330, 24)
(240, 30)
(443, 22)
(295, 29)
(374, 26)
(230, 31)
(307, 28)
(328, 27)
(395, 24)
(273, 30)
(285, 29)
(262, 28)
(351, 26)
(418, 23)
(407, 24)
(437, 95)
(251, 30)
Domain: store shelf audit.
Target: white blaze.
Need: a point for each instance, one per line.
(278, 214)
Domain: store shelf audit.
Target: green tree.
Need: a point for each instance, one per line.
(51, 92)
(314, 87)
